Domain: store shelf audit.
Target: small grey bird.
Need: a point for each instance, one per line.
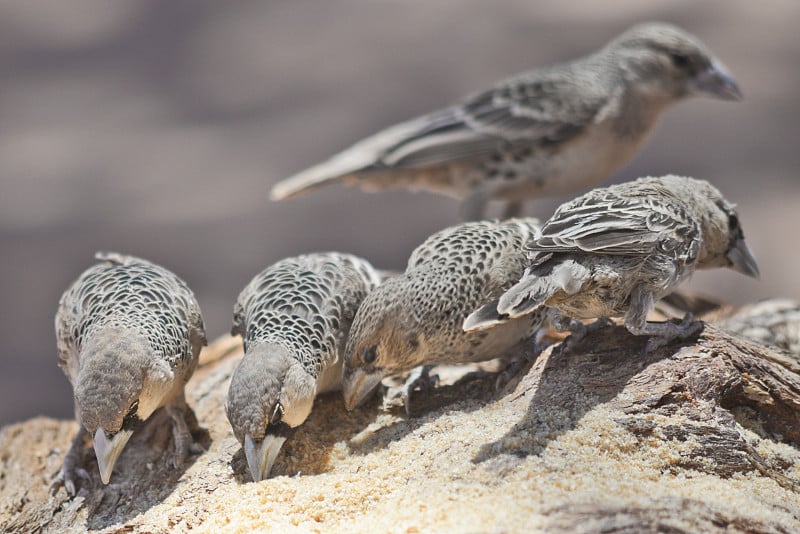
(544, 132)
(294, 318)
(415, 319)
(616, 250)
(129, 334)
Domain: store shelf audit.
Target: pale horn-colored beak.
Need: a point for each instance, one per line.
(742, 260)
(108, 450)
(262, 454)
(357, 386)
(717, 82)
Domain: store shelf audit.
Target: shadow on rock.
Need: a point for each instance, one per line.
(308, 451)
(566, 382)
(143, 475)
(470, 392)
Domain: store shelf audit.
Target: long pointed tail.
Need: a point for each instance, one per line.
(344, 166)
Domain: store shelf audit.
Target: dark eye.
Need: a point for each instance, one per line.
(679, 60)
(277, 414)
(369, 355)
(733, 222)
(132, 410)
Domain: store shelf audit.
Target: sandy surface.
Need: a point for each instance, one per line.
(562, 448)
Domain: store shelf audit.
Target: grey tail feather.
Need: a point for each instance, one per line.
(527, 296)
(483, 318)
(359, 157)
(320, 175)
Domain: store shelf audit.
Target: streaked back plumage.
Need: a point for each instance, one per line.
(130, 294)
(305, 304)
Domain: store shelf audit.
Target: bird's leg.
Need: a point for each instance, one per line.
(70, 469)
(474, 206)
(661, 333)
(419, 377)
(184, 443)
(513, 209)
(562, 323)
(522, 355)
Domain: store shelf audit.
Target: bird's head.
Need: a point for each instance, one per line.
(120, 384)
(386, 337)
(271, 393)
(665, 62)
(723, 243)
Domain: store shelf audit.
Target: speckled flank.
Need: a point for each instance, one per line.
(132, 294)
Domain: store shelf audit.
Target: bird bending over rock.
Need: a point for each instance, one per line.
(617, 250)
(294, 318)
(415, 319)
(549, 131)
(129, 334)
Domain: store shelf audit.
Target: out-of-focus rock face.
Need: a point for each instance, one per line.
(699, 437)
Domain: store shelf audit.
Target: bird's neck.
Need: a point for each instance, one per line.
(639, 111)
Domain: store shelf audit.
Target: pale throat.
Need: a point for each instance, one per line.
(156, 392)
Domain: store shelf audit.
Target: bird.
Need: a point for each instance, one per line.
(129, 334)
(545, 132)
(294, 318)
(615, 251)
(416, 318)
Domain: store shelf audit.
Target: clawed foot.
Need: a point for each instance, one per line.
(184, 443)
(71, 473)
(68, 478)
(419, 378)
(667, 332)
(577, 329)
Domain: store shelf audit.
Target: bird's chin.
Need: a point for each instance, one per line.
(262, 454)
(108, 450)
(358, 386)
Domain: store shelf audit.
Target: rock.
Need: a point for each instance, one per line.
(702, 436)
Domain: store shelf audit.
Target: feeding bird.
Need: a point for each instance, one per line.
(416, 318)
(294, 318)
(616, 251)
(129, 334)
(545, 132)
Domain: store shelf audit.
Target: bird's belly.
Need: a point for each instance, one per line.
(606, 294)
(583, 162)
(492, 343)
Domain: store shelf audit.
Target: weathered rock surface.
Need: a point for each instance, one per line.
(702, 436)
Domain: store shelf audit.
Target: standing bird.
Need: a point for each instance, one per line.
(415, 319)
(294, 318)
(544, 132)
(129, 333)
(615, 251)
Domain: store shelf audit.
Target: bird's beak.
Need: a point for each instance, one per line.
(716, 81)
(357, 387)
(742, 260)
(108, 450)
(261, 454)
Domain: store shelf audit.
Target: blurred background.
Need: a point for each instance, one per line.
(157, 128)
